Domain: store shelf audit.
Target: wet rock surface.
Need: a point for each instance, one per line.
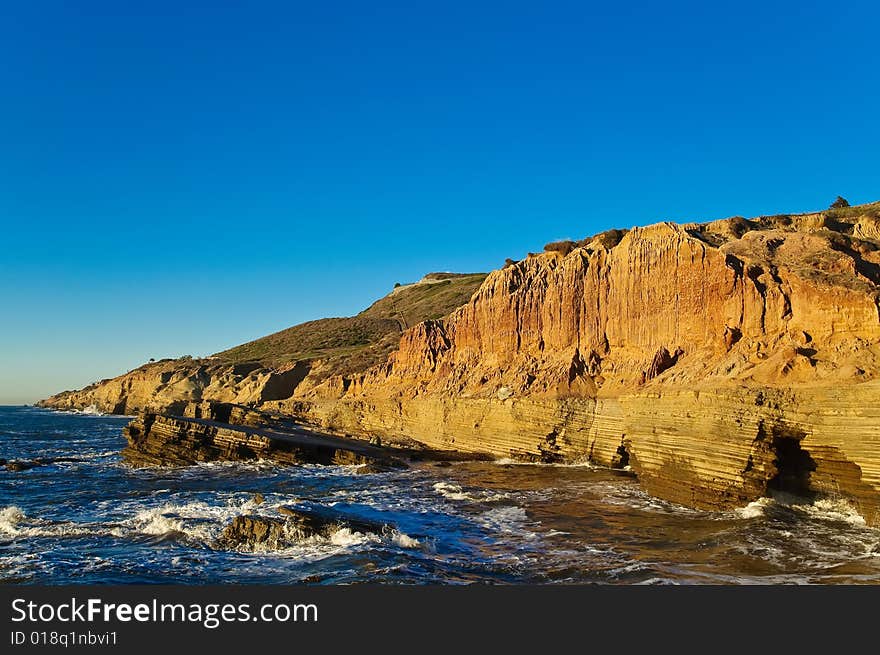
(27, 464)
(295, 524)
(182, 440)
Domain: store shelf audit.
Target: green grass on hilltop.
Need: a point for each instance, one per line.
(357, 342)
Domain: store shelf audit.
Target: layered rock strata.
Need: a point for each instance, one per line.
(170, 385)
(721, 362)
(155, 439)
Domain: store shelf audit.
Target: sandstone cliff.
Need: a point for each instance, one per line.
(721, 361)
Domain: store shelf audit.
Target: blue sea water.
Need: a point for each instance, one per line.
(87, 517)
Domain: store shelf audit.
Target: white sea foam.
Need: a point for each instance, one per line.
(10, 517)
(315, 547)
(828, 509)
(833, 509)
(197, 521)
(156, 522)
(455, 492)
(92, 410)
(451, 491)
(201, 523)
(507, 461)
(404, 540)
(347, 537)
(506, 519)
(657, 581)
(754, 509)
(15, 523)
(631, 495)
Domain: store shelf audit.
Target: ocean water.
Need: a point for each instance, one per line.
(92, 519)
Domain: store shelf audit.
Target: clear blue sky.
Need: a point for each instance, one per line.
(179, 178)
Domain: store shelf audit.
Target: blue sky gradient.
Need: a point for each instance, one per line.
(177, 178)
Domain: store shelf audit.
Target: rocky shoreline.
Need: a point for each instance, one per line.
(211, 431)
(721, 362)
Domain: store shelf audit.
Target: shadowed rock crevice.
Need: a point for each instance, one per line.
(550, 449)
(794, 467)
(662, 361)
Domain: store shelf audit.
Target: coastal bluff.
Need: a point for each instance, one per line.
(720, 362)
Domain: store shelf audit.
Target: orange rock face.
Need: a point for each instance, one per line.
(602, 354)
(775, 305)
(721, 361)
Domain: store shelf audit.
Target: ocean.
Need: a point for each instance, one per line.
(85, 517)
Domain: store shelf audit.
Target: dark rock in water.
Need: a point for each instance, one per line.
(268, 532)
(624, 473)
(443, 464)
(375, 467)
(24, 465)
(325, 522)
(254, 531)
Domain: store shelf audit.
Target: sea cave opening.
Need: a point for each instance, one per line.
(794, 465)
(621, 457)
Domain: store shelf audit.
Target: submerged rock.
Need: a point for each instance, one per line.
(253, 531)
(27, 464)
(20, 466)
(257, 532)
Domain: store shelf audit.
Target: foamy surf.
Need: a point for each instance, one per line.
(456, 492)
(507, 520)
(10, 517)
(754, 509)
(833, 509)
(507, 461)
(16, 524)
(824, 509)
(100, 521)
(198, 522)
(342, 539)
(91, 410)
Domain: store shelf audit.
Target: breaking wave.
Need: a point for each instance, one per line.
(507, 461)
(823, 509)
(16, 524)
(91, 518)
(456, 492)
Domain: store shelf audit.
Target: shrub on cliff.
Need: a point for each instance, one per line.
(840, 203)
(563, 247)
(607, 239)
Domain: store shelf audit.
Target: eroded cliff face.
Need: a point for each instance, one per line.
(720, 361)
(169, 385)
(773, 306)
